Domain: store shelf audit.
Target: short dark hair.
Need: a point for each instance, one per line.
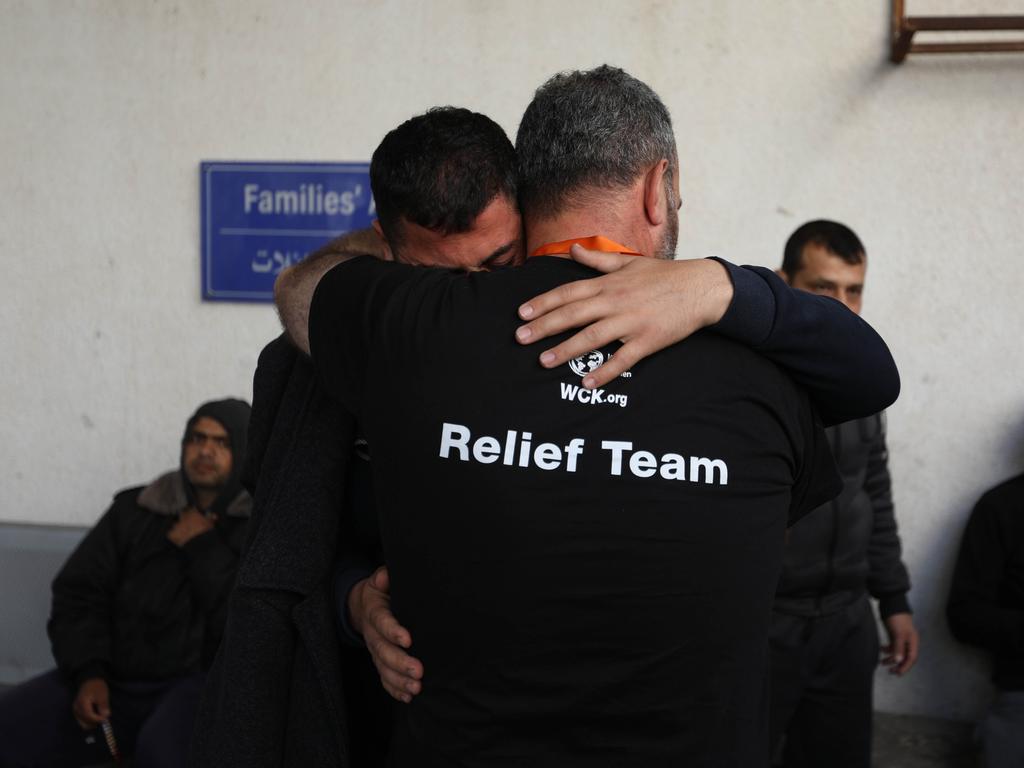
(440, 170)
(600, 128)
(834, 237)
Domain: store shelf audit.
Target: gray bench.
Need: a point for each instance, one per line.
(30, 556)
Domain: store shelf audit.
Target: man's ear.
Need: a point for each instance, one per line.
(655, 200)
(783, 275)
(388, 255)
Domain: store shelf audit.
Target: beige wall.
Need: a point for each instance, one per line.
(784, 111)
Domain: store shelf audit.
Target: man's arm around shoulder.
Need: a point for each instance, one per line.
(295, 286)
(648, 304)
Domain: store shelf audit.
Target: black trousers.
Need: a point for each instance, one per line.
(822, 675)
(151, 721)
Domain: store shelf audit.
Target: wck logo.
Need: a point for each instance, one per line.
(587, 363)
(583, 366)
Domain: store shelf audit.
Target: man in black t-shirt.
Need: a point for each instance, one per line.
(445, 187)
(587, 577)
(587, 571)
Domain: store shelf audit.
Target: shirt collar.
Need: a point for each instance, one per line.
(593, 243)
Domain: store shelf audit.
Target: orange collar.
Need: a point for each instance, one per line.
(593, 243)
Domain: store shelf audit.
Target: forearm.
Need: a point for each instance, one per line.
(81, 644)
(84, 595)
(294, 287)
(361, 555)
(842, 363)
(84, 660)
(888, 580)
(347, 579)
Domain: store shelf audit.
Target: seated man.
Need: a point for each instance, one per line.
(986, 609)
(138, 611)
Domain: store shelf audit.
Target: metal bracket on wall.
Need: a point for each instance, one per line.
(904, 27)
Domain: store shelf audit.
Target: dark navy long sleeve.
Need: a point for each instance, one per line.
(841, 361)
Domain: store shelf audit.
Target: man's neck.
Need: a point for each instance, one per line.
(205, 497)
(608, 220)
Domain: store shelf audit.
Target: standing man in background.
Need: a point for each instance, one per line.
(138, 612)
(824, 643)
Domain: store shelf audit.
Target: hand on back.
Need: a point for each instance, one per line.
(369, 606)
(646, 303)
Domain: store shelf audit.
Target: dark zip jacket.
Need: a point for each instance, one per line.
(986, 599)
(850, 545)
(283, 690)
(129, 605)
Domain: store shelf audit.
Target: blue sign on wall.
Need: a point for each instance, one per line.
(258, 218)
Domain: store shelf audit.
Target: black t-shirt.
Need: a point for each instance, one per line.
(587, 576)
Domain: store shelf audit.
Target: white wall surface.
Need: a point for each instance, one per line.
(784, 111)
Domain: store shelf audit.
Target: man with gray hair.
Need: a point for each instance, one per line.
(596, 591)
(619, 125)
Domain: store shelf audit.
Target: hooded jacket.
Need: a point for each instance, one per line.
(129, 605)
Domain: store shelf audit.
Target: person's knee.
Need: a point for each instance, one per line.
(165, 738)
(160, 749)
(37, 724)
